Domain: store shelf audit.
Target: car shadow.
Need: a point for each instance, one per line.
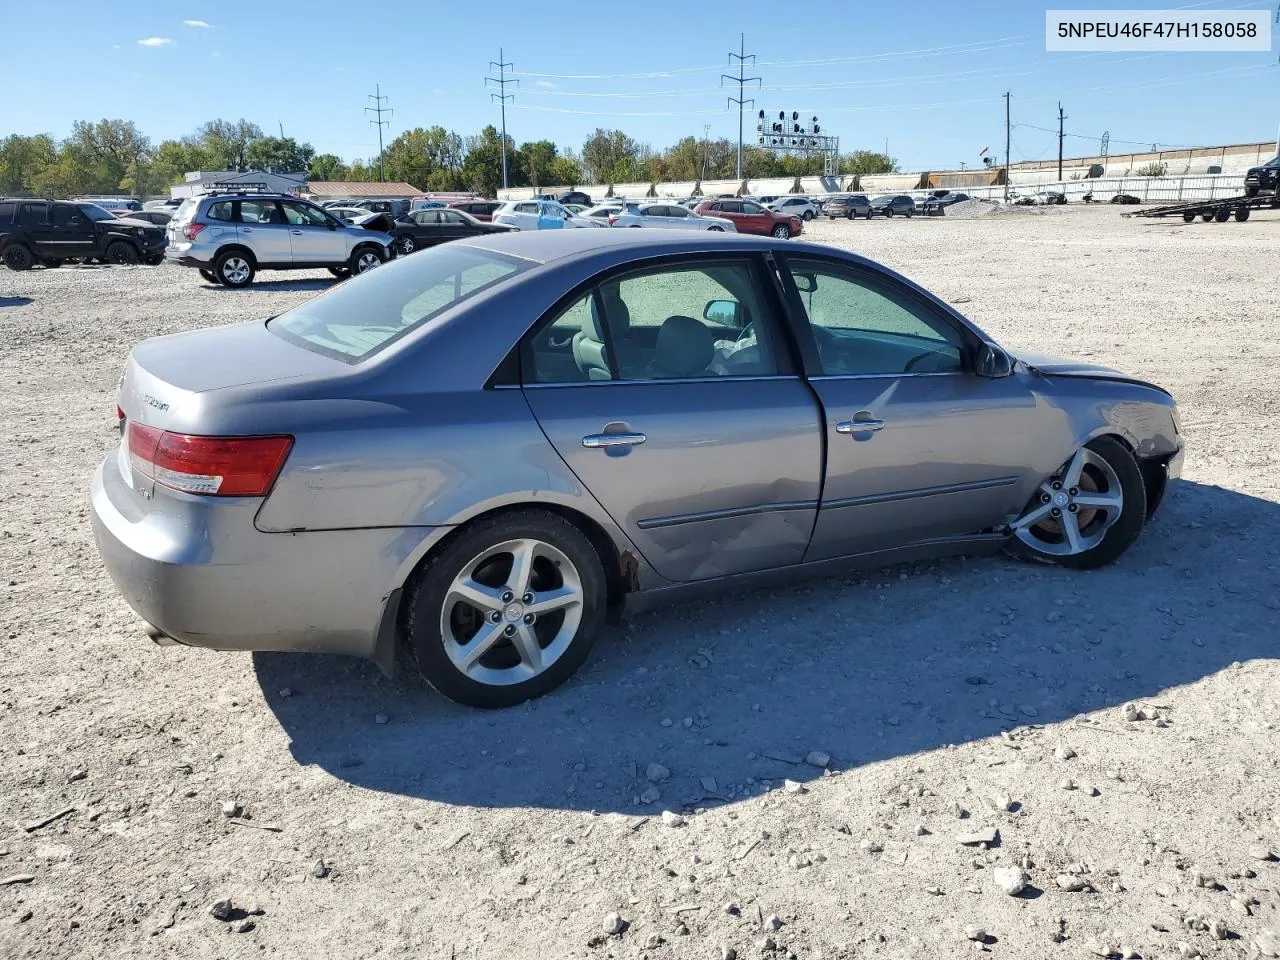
(15, 301)
(740, 688)
(320, 283)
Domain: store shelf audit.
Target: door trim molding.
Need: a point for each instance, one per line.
(728, 514)
(919, 492)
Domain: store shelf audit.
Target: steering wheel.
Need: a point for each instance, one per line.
(748, 332)
(555, 344)
(916, 359)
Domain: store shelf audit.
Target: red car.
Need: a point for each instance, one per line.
(750, 217)
(480, 209)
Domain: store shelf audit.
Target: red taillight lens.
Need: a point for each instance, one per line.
(191, 230)
(212, 466)
(612, 221)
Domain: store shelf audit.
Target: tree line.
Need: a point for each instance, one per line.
(114, 157)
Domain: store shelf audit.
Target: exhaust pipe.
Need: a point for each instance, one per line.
(158, 636)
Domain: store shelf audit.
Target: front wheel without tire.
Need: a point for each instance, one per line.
(18, 257)
(1086, 514)
(122, 253)
(507, 610)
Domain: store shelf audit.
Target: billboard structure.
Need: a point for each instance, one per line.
(786, 132)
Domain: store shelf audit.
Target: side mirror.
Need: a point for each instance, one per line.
(805, 282)
(723, 313)
(993, 362)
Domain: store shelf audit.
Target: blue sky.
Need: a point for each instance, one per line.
(925, 78)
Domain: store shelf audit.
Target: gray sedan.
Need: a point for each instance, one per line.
(481, 452)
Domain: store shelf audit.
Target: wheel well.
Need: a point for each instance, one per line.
(1154, 472)
(619, 574)
(236, 248)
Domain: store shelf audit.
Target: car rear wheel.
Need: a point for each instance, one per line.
(340, 272)
(1086, 514)
(508, 610)
(234, 269)
(888, 211)
(782, 232)
(154, 260)
(364, 259)
(209, 275)
(870, 213)
(122, 253)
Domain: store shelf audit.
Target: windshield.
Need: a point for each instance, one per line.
(356, 319)
(883, 198)
(95, 212)
(1273, 162)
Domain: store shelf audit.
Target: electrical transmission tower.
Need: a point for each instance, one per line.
(741, 80)
(502, 97)
(378, 110)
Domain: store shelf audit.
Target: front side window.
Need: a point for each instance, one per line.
(95, 212)
(449, 216)
(752, 207)
(64, 215)
(302, 215)
(260, 211)
(672, 323)
(353, 321)
(865, 324)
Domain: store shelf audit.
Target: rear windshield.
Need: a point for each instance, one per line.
(356, 319)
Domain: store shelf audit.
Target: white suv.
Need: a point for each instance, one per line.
(801, 207)
(539, 215)
(229, 237)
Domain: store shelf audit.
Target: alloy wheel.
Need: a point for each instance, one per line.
(367, 261)
(235, 270)
(782, 232)
(1072, 511)
(511, 612)
(407, 245)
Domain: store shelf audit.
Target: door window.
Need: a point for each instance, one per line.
(730, 206)
(752, 207)
(301, 215)
(260, 211)
(526, 208)
(426, 218)
(219, 211)
(672, 323)
(448, 216)
(32, 215)
(65, 215)
(867, 325)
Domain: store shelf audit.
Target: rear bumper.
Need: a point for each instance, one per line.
(199, 573)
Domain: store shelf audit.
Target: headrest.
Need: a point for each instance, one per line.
(684, 348)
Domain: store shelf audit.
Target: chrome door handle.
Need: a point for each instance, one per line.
(858, 426)
(296, 233)
(246, 229)
(599, 441)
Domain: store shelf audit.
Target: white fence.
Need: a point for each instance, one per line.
(1146, 189)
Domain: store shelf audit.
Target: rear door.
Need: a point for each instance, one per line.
(918, 446)
(313, 236)
(705, 446)
(33, 219)
(262, 228)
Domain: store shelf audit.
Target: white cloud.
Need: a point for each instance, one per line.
(155, 42)
(198, 24)
(544, 84)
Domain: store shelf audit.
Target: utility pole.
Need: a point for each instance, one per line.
(741, 80)
(281, 122)
(378, 110)
(1061, 117)
(1007, 139)
(706, 135)
(502, 97)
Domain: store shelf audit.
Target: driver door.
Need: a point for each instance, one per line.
(312, 236)
(919, 447)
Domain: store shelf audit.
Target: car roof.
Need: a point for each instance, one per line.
(545, 246)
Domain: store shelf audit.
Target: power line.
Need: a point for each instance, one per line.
(741, 80)
(502, 97)
(378, 109)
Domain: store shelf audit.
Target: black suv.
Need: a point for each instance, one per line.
(1263, 179)
(51, 232)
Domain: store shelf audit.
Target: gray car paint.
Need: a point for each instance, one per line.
(392, 453)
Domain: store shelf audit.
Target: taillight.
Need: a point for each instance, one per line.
(212, 466)
(612, 221)
(192, 230)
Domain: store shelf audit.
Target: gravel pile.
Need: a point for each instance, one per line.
(918, 762)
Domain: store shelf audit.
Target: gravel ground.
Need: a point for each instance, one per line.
(972, 713)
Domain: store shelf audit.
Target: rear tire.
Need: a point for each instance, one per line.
(122, 253)
(210, 276)
(1188, 217)
(1242, 214)
(869, 214)
(441, 623)
(154, 260)
(340, 272)
(18, 257)
(234, 269)
(849, 215)
(1222, 214)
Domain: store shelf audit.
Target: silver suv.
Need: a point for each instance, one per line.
(230, 237)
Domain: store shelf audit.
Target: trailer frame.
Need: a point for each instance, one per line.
(1219, 210)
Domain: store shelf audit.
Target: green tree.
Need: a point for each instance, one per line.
(863, 162)
(610, 156)
(362, 172)
(23, 160)
(328, 166)
(482, 169)
(431, 158)
(228, 141)
(278, 155)
(537, 159)
(564, 172)
(105, 151)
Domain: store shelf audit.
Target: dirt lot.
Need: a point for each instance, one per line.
(408, 827)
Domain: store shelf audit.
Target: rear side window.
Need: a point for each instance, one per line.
(353, 321)
(32, 214)
(7, 211)
(217, 211)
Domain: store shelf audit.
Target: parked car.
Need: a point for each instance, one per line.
(853, 205)
(1263, 179)
(749, 217)
(325, 481)
(426, 228)
(540, 215)
(482, 210)
(669, 215)
(892, 205)
(112, 204)
(801, 207)
(51, 232)
(158, 217)
(937, 206)
(230, 237)
(767, 200)
(392, 206)
(1051, 198)
(567, 197)
(604, 211)
(349, 214)
(168, 203)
